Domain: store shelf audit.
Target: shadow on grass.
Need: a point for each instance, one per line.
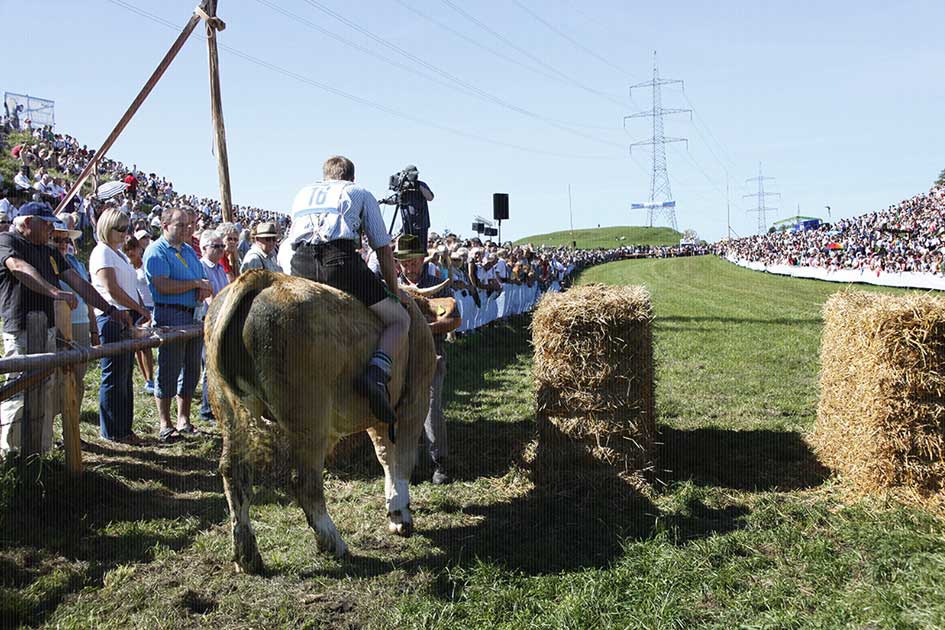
(759, 460)
(127, 504)
(482, 449)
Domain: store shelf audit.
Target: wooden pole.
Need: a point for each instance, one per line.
(48, 360)
(132, 109)
(33, 411)
(216, 110)
(69, 402)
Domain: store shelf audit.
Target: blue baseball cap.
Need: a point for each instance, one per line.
(36, 209)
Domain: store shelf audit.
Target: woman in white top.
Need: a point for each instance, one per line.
(115, 279)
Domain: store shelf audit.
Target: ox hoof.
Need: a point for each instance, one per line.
(251, 566)
(400, 527)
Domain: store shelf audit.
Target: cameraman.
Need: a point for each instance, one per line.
(411, 196)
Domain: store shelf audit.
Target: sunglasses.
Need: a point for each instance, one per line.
(120, 228)
(60, 240)
(216, 246)
(265, 238)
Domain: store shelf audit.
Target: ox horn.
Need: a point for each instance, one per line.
(430, 291)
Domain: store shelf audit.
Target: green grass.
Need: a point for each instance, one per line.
(607, 237)
(743, 529)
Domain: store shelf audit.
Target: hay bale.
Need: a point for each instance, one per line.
(594, 381)
(881, 416)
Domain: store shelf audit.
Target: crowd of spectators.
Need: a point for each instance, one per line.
(130, 226)
(905, 237)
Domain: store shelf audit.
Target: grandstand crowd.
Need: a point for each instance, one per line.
(905, 237)
(49, 161)
(127, 214)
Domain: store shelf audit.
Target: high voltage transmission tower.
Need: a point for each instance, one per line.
(761, 208)
(661, 196)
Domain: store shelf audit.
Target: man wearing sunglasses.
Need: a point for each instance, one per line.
(30, 272)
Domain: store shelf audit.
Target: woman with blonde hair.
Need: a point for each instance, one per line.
(115, 279)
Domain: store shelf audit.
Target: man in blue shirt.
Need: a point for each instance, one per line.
(178, 282)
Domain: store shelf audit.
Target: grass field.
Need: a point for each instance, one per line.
(607, 237)
(743, 527)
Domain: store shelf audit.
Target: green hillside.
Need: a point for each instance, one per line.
(607, 237)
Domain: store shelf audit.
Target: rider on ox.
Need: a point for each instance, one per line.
(327, 220)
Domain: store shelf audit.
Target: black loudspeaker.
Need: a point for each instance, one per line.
(500, 206)
(489, 231)
(478, 227)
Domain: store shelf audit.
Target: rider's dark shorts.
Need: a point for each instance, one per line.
(339, 265)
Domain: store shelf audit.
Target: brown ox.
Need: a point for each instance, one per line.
(282, 356)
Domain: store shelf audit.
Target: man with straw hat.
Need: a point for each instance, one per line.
(411, 256)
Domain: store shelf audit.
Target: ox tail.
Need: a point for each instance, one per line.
(232, 379)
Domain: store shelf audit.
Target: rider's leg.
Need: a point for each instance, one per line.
(373, 382)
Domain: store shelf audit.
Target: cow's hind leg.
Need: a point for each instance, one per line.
(238, 486)
(309, 488)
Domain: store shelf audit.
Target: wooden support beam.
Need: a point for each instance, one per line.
(155, 338)
(132, 109)
(69, 400)
(216, 109)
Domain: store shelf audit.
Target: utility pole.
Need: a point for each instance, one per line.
(661, 197)
(761, 208)
(215, 24)
(570, 213)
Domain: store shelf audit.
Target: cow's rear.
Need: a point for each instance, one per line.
(282, 355)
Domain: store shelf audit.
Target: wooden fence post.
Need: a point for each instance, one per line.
(69, 403)
(33, 407)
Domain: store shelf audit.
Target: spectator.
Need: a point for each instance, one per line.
(178, 283)
(114, 277)
(134, 248)
(29, 281)
(84, 326)
(262, 255)
(212, 247)
(417, 272)
(231, 259)
(22, 179)
(245, 243)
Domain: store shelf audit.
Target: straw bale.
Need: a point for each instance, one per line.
(594, 386)
(881, 416)
(594, 352)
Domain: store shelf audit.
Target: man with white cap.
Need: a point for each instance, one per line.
(30, 271)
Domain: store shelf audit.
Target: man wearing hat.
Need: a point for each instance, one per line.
(263, 254)
(328, 218)
(416, 272)
(30, 272)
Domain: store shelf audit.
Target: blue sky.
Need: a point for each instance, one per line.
(842, 102)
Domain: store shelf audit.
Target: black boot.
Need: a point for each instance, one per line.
(373, 384)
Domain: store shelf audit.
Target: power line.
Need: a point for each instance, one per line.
(357, 99)
(480, 93)
(570, 39)
(555, 76)
(527, 53)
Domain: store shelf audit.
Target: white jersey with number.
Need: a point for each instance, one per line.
(333, 210)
